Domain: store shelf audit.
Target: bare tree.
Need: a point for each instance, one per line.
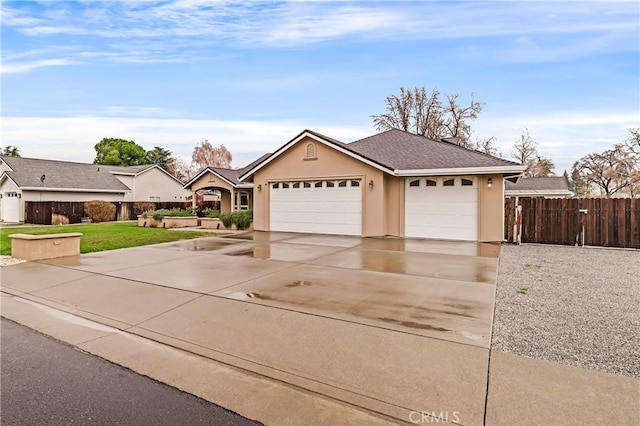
(428, 113)
(543, 167)
(399, 112)
(633, 142)
(526, 152)
(416, 111)
(181, 168)
(526, 148)
(206, 155)
(487, 146)
(610, 171)
(458, 117)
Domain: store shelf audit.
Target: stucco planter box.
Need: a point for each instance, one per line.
(215, 223)
(168, 222)
(47, 246)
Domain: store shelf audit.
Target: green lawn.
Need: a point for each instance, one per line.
(103, 236)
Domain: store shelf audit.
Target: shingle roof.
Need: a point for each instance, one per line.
(539, 184)
(232, 175)
(399, 150)
(61, 175)
(127, 169)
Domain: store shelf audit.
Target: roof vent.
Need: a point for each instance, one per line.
(452, 140)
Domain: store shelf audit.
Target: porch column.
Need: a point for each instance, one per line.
(233, 200)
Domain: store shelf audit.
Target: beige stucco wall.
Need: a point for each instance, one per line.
(490, 208)
(394, 205)
(36, 247)
(328, 164)
(382, 206)
(227, 191)
(153, 183)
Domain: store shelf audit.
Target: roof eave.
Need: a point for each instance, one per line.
(540, 192)
(202, 173)
(48, 189)
(462, 171)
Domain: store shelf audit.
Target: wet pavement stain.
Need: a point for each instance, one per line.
(245, 237)
(203, 245)
(413, 324)
(298, 283)
(259, 296)
(245, 252)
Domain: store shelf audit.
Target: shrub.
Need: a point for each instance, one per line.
(227, 219)
(243, 219)
(176, 212)
(211, 213)
(100, 211)
(140, 207)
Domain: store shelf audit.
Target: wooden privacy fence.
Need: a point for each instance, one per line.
(60, 212)
(607, 222)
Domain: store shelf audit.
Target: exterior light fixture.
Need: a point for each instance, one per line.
(259, 187)
(489, 183)
(371, 184)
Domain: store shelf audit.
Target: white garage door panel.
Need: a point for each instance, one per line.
(440, 212)
(336, 210)
(10, 207)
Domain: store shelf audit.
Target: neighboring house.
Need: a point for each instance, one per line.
(545, 187)
(30, 179)
(149, 183)
(234, 195)
(391, 184)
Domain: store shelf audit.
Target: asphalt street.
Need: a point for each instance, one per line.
(47, 382)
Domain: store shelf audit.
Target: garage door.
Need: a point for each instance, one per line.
(442, 208)
(10, 207)
(322, 207)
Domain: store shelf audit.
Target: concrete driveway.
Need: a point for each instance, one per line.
(398, 327)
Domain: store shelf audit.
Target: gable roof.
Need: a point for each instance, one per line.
(231, 176)
(61, 175)
(402, 153)
(552, 185)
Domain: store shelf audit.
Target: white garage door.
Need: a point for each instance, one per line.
(442, 208)
(321, 207)
(10, 207)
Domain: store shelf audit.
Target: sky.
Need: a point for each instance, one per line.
(252, 75)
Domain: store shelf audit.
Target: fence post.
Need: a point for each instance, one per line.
(517, 225)
(583, 218)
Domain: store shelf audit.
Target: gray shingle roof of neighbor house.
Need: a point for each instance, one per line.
(553, 183)
(401, 150)
(26, 173)
(127, 169)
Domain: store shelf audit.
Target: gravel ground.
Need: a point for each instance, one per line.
(8, 260)
(572, 305)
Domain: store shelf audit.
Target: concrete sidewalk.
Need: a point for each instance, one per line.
(208, 318)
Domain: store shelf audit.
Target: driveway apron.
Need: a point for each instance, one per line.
(398, 327)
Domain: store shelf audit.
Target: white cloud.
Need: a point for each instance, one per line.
(563, 136)
(73, 138)
(23, 67)
(160, 29)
